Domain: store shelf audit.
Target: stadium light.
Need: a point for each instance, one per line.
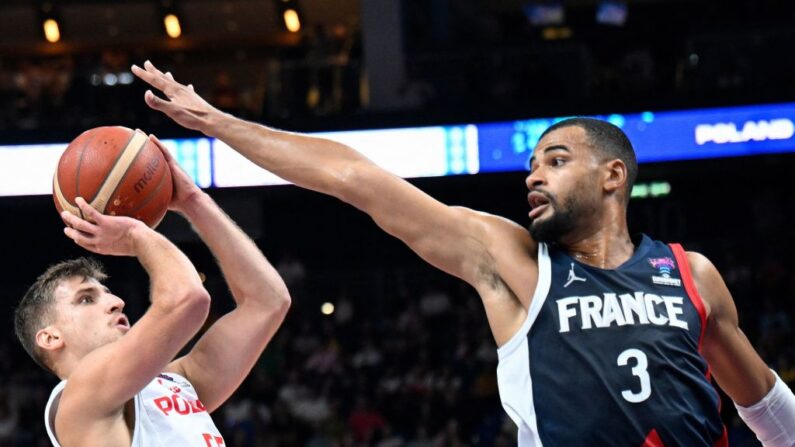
(49, 22)
(173, 28)
(291, 20)
(171, 23)
(52, 32)
(290, 13)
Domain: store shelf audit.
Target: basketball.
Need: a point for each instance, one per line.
(118, 171)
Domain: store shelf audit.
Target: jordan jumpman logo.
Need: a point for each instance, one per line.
(572, 277)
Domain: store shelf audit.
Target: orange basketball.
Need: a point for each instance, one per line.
(117, 170)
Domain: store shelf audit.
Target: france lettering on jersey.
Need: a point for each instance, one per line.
(612, 357)
(168, 412)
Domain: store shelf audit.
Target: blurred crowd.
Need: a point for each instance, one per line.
(404, 358)
(459, 57)
(71, 92)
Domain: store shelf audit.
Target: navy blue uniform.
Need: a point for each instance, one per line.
(612, 356)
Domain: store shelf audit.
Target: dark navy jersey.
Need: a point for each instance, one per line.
(612, 357)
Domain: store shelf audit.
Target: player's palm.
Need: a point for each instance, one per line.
(184, 187)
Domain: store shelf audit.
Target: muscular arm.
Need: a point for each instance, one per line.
(111, 375)
(452, 239)
(225, 354)
(492, 254)
(456, 240)
(737, 367)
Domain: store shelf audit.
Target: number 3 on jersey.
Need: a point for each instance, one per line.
(639, 370)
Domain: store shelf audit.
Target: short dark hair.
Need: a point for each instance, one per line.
(34, 310)
(607, 138)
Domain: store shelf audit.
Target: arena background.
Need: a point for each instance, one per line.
(406, 358)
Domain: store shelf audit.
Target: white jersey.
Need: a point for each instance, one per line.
(168, 412)
(513, 370)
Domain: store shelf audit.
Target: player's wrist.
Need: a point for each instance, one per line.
(193, 204)
(217, 123)
(139, 237)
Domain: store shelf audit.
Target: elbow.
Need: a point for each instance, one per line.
(275, 302)
(281, 301)
(194, 303)
(279, 306)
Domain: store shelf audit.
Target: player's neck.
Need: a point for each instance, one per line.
(65, 365)
(607, 246)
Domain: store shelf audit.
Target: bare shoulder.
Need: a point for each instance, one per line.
(500, 227)
(74, 425)
(78, 399)
(505, 238)
(512, 260)
(709, 283)
(700, 266)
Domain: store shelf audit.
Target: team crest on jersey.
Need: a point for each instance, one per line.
(664, 266)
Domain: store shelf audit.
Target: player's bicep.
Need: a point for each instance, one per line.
(737, 367)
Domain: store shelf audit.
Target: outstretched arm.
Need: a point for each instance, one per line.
(225, 354)
(737, 367)
(456, 240)
(122, 368)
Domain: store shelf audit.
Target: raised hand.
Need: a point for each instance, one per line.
(101, 234)
(183, 104)
(185, 189)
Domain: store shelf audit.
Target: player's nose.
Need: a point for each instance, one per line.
(115, 304)
(535, 179)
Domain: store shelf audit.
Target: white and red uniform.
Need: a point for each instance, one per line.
(167, 413)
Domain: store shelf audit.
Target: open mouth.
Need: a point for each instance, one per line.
(123, 322)
(538, 203)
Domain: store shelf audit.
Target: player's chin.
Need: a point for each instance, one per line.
(547, 216)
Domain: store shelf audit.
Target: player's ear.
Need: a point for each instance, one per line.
(615, 176)
(49, 338)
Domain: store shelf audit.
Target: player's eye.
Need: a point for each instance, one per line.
(86, 299)
(558, 161)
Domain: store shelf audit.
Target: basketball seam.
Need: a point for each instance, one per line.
(152, 194)
(124, 172)
(80, 162)
(65, 204)
(77, 175)
(110, 171)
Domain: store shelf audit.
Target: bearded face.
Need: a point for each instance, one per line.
(565, 188)
(562, 216)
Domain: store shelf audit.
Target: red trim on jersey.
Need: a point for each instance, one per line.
(698, 302)
(692, 292)
(724, 439)
(653, 440)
